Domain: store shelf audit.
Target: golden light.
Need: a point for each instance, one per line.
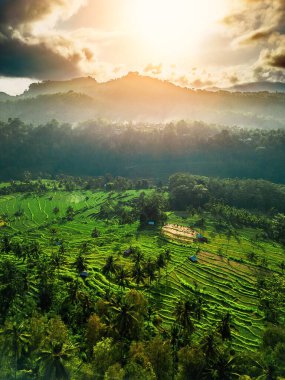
(170, 27)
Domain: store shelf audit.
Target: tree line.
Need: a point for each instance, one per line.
(140, 151)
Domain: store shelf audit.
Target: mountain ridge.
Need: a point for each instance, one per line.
(90, 86)
(139, 98)
(4, 96)
(263, 86)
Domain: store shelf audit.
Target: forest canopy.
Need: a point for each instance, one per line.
(136, 151)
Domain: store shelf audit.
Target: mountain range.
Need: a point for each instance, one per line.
(144, 99)
(259, 87)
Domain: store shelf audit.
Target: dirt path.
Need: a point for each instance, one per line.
(175, 231)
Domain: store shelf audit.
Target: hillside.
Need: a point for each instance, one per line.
(138, 98)
(85, 85)
(4, 96)
(226, 280)
(105, 274)
(259, 87)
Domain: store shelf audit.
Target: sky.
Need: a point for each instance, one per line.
(193, 43)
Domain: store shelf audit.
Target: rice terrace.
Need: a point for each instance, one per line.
(224, 275)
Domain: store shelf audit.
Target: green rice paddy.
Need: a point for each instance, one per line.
(223, 273)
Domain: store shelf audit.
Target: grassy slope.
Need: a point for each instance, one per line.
(226, 284)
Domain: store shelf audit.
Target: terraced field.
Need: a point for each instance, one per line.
(223, 275)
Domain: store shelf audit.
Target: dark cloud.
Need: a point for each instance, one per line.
(234, 79)
(268, 73)
(18, 59)
(258, 19)
(14, 13)
(257, 36)
(276, 59)
(26, 54)
(262, 23)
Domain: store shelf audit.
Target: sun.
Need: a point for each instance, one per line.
(172, 27)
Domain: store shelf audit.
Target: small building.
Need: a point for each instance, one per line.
(84, 274)
(151, 223)
(128, 252)
(200, 238)
(193, 259)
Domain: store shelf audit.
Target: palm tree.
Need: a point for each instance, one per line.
(16, 341)
(84, 249)
(167, 257)
(125, 319)
(225, 326)
(80, 263)
(57, 260)
(53, 232)
(18, 251)
(33, 251)
(160, 262)
(175, 337)
(44, 269)
(110, 266)
(149, 269)
(138, 274)
(221, 368)
(268, 370)
(175, 341)
(209, 345)
(6, 244)
(69, 213)
(73, 292)
(61, 250)
(137, 257)
(198, 304)
(167, 254)
(52, 361)
(95, 233)
(182, 315)
(55, 210)
(122, 278)
(229, 234)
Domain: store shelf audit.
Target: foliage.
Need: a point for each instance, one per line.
(133, 150)
(148, 314)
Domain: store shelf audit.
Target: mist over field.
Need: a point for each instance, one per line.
(136, 98)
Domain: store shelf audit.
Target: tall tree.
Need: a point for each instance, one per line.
(122, 278)
(183, 317)
(225, 326)
(138, 274)
(150, 270)
(53, 361)
(16, 342)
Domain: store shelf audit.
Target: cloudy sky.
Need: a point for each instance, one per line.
(195, 43)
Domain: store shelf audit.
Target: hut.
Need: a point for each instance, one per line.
(128, 252)
(193, 259)
(202, 239)
(84, 274)
(151, 223)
